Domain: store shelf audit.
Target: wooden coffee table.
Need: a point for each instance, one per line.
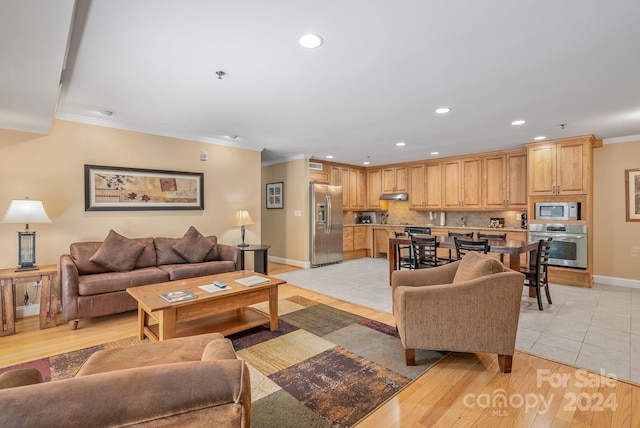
(224, 311)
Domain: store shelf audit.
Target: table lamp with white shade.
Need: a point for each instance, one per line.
(28, 212)
(242, 218)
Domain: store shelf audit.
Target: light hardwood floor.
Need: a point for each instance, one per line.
(464, 390)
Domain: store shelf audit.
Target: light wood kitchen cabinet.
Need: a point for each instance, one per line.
(462, 183)
(360, 237)
(339, 176)
(319, 176)
(374, 188)
(357, 189)
(394, 180)
(347, 238)
(354, 242)
(505, 181)
(561, 167)
(425, 190)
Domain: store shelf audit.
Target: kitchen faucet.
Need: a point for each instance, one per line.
(462, 221)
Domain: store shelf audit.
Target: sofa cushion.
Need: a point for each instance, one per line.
(81, 253)
(90, 285)
(192, 270)
(118, 253)
(165, 254)
(193, 246)
(148, 256)
(214, 254)
(474, 265)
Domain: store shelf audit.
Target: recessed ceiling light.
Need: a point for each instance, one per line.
(310, 41)
(400, 144)
(443, 110)
(329, 156)
(518, 122)
(366, 163)
(434, 153)
(541, 137)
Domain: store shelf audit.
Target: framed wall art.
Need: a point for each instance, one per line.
(275, 195)
(632, 186)
(110, 188)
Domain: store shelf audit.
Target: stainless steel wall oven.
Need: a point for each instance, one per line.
(569, 245)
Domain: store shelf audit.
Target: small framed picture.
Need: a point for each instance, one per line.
(275, 195)
(632, 186)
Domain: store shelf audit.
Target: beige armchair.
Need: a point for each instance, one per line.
(192, 381)
(471, 305)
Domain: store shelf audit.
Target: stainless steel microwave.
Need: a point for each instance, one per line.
(557, 211)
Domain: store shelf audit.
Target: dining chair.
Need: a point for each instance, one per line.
(424, 251)
(494, 236)
(463, 246)
(459, 235)
(536, 275)
(404, 253)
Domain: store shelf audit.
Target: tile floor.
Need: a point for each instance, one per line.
(595, 328)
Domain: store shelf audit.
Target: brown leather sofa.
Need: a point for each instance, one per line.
(94, 276)
(471, 305)
(194, 381)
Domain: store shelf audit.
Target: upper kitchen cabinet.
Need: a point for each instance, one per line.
(394, 180)
(505, 180)
(560, 167)
(339, 176)
(357, 189)
(374, 188)
(318, 172)
(462, 183)
(425, 190)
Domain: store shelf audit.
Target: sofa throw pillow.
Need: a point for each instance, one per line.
(193, 246)
(474, 265)
(214, 254)
(118, 253)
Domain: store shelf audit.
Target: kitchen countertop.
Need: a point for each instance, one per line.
(433, 226)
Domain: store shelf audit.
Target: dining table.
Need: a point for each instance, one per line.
(514, 248)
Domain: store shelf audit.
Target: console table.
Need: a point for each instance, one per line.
(47, 276)
(260, 256)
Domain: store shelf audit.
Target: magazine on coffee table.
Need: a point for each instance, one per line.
(252, 280)
(178, 296)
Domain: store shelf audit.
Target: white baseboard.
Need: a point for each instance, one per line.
(297, 263)
(27, 311)
(620, 282)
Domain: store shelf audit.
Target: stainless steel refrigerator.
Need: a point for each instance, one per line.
(326, 224)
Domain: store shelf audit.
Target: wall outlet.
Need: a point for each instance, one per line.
(297, 213)
(519, 217)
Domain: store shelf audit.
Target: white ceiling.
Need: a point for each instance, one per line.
(383, 69)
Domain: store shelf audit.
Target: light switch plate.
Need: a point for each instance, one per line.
(297, 213)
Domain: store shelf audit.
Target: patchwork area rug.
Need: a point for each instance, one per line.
(323, 367)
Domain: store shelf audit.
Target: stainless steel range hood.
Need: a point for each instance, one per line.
(394, 197)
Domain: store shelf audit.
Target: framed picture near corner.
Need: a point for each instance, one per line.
(632, 195)
(275, 195)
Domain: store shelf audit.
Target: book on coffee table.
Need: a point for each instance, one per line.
(252, 280)
(178, 296)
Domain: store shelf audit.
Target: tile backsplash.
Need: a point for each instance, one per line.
(399, 213)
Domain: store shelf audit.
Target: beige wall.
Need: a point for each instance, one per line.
(616, 241)
(51, 168)
(287, 233)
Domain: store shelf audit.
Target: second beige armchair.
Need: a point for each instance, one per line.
(471, 305)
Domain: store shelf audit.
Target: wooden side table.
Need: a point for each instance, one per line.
(260, 257)
(47, 276)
